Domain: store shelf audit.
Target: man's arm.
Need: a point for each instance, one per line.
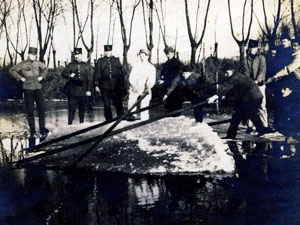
(246, 70)
(293, 66)
(151, 79)
(66, 73)
(14, 71)
(97, 73)
(89, 77)
(44, 70)
(174, 84)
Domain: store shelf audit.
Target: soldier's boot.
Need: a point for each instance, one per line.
(71, 116)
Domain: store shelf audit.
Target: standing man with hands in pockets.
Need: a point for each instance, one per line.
(31, 72)
(79, 85)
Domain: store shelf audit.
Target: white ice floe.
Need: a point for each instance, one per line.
(196, 146)
(192, 147)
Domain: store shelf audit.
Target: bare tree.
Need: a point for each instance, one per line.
(47, 11)
(21, 31)
(6, 9)
(111, 5)
(270, 30)
(296, 27)
(193, 37)
(161, 16)
(90, 16)
(148, 12)
(245, 37)
(126, 38)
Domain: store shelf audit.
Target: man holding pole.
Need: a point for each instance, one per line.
(248, 100)
(254, 66)
(141, 78)
(286, 118)
(184, 87)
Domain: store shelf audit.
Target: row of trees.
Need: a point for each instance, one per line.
(20, 18)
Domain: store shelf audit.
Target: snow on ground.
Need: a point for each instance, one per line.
(194, 147)
(7, 126)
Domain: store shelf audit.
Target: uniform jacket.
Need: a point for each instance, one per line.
(255, 67)
(143, 74)
(82, 82)
(30, 70)
(109, 74)
(272, 65)
(242, 87)
(193, 82)
(170, 70)
(293, 67)
(284, 56)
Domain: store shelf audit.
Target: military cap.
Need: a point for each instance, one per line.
(32, 50)
(77, 51)
(145, 51)
(168, 49)
(252, 43)
(285, 36)
(107, 48)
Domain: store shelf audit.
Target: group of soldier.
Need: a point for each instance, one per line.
(266, 89)
(176, 84)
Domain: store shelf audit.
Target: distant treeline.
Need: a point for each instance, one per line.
(53, 83)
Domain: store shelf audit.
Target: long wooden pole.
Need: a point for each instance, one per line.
(61, 138)
(89, 140)
(108, 131)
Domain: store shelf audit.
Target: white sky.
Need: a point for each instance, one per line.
(218, 21)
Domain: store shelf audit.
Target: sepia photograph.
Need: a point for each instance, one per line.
(150, 112)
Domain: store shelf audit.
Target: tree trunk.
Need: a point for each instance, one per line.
(242, 54)
(125, 59)
(54, 58)
(193, 56)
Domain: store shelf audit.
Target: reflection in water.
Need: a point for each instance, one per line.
(146, 191)
(262, 194)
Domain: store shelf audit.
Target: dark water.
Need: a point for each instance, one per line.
(265, 190)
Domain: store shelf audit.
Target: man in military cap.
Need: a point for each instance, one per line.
(31, 72)
(254, 66)
(248, 100)
(79, 85)
(109, 78)
(171, 69)
(284, 51)
(287, 113)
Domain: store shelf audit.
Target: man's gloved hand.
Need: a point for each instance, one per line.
(165, 98)
(23, 79)
(213, 99)
(88, 93)
(97, 89)
(160, 81)
(261, 83)
(40, 78)
(72, 75)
